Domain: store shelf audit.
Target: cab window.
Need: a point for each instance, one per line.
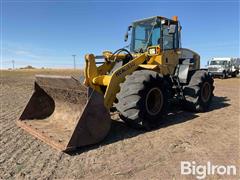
(169, 40)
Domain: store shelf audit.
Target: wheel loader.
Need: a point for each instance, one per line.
(140, 83)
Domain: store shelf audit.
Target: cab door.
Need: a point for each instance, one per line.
(170, 46)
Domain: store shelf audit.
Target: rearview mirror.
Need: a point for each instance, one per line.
(180, 28)
(126, 35)
(172, 29)
(129, 28)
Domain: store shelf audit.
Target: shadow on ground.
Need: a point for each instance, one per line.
(120, 131)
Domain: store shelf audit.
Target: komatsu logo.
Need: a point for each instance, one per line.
(124, 69)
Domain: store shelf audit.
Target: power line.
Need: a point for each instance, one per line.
(13, 64)
(74, 62)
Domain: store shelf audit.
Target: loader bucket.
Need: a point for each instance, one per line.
(62, 113)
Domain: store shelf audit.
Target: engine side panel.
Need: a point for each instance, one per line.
(169, 59)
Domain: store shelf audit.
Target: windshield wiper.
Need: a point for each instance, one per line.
(154, 24)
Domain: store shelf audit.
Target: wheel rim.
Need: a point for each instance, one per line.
(206, 92)
(154, 101)
(224, 75)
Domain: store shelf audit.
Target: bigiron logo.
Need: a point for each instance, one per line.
(208, 169)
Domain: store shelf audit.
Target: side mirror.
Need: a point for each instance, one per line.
(208, 63)
(172, 29)
(180, 28)
(126, 35)
(129, 28)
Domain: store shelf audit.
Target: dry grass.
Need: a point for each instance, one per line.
(31, 72)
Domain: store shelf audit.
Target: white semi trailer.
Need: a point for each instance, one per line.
(224, 67)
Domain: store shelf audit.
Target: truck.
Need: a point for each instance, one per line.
(224, 67)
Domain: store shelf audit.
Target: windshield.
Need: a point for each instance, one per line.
(218, 62)
(145, 33)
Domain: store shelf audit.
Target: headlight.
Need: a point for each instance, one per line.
(220, 69)
(152, 51)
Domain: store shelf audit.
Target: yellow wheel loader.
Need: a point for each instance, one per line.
(139, 82)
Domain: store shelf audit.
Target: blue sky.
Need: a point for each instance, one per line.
(47, 33)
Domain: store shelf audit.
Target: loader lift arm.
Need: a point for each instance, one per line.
(95, 80)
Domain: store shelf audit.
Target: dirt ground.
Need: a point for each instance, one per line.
(125, 153)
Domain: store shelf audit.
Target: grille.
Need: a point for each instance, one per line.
(212, 69)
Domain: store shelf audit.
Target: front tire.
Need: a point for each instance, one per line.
(199, 92)
(143, 99)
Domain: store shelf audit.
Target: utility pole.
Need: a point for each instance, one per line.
(13, 63)
(74, 62)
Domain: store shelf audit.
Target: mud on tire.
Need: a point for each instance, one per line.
(199, 92)
(142, 99)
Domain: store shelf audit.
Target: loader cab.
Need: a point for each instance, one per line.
(155, 31)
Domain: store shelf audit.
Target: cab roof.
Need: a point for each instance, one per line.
(149, 18)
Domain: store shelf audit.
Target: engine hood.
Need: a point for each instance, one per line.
(215, 66)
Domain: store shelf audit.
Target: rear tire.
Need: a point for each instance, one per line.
(143, 99)
(234, 74)
(199, 92)
(224, 75)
